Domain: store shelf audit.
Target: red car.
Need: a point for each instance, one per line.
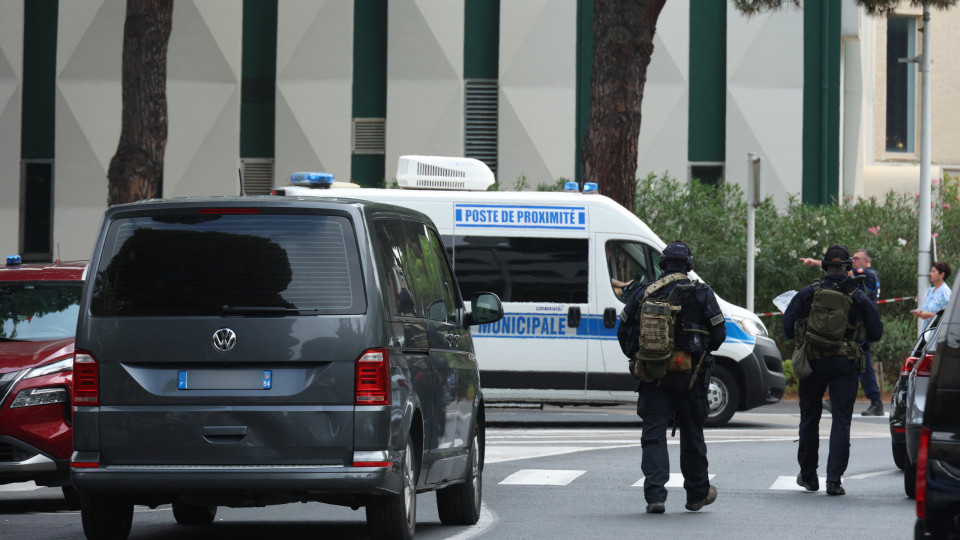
(39, 304)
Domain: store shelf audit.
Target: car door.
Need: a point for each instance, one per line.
(623, 263)
(445, 338)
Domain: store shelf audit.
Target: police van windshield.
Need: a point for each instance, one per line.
(256, 265)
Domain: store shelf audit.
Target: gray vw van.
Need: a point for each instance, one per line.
(247, 351)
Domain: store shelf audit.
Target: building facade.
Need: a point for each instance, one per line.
(263, 88)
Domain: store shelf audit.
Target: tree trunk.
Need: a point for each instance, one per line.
(136, 170)
(623, 44)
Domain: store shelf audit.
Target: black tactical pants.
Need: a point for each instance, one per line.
(840, 375)
(655, 406)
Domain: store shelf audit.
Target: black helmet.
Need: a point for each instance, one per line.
(837, 255)
(677, 253)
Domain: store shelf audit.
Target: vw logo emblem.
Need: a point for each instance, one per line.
(224, 339)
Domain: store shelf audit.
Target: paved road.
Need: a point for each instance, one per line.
(574, 473)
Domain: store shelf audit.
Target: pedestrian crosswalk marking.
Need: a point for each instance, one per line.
(675, 481)
(542, 477)
(789, 483)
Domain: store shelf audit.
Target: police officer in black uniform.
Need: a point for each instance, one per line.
(835, 372)
(679, 394)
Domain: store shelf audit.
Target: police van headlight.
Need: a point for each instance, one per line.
(750, 326)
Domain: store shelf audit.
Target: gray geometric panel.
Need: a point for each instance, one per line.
(11, 102)
(202, 153)
(424, 79)
(519, 155)
(207, 165)
(90, 40)
(425, 40)
(314, 39)
(314, 88)
(661, 144)
(205, 42)
(544, 118)
(537, 136)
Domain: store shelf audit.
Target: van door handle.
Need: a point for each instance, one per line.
(610, 318)
(224, 434)
(573, 317)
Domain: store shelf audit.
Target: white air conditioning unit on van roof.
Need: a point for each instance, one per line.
(440, 172)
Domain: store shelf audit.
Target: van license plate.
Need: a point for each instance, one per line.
(218, 379)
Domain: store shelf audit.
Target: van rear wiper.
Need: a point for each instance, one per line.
(5, 339)
(266, 309)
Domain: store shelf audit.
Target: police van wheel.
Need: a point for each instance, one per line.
(723, 395)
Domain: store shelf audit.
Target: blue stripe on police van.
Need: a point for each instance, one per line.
(554, 326)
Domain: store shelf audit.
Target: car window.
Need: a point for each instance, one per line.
(422, 271)
(392, 246)
(547, 270)
(628, 262)
(39, 310)
(447, 285)
(189, 264)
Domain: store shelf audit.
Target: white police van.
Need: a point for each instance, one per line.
(560, 262)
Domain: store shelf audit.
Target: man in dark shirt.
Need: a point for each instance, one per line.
(700, 329)
(836, 372)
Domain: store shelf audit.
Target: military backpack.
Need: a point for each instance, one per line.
(826, 329)
(657, 321)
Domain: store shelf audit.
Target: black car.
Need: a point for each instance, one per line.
(898, 399)
(917, 384)
(252, 351)
(938, 462)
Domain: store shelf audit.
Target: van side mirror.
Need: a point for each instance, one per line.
(487, 309)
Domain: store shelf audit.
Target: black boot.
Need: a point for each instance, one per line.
(875, 409)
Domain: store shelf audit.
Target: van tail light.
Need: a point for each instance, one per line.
(922, 472)
(372, 386)
(923, 367)
(908, 366)
(86, 380)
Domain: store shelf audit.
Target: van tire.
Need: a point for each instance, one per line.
(194, 514)
(106, 517)
(910, 478)
(460, 504)
(723, 397)
(394, 517)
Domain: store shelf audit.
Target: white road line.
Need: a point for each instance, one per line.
(675, 481)
(541, 477)
(789, 483)
(487, 520)
(871, 474)
(20, 486)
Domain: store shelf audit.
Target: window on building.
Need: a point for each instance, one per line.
(707, 173)
(901, 84)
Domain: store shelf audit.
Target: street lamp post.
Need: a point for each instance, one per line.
(923, 259)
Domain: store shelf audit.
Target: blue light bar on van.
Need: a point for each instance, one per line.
(590, 187)
(571, 186)
(312, 179)
(13, 260)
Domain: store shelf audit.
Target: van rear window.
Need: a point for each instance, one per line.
(546, 270)
(260, 264)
